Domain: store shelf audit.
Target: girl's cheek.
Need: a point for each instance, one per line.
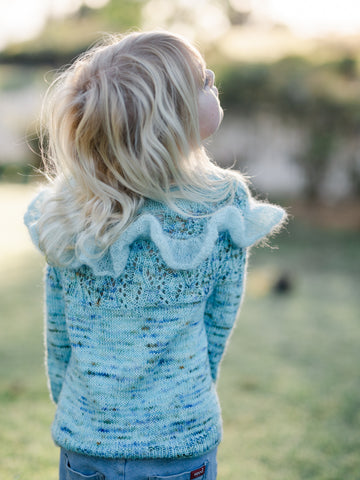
(210, 114)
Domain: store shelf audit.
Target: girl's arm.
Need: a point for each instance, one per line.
(57, 342)
(223, 304)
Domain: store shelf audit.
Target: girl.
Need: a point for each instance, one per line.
(146, 244)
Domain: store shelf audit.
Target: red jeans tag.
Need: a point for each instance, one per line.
(197, 473)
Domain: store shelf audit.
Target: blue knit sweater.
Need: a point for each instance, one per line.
(134, 339)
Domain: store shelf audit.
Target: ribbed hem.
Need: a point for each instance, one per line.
(199, 445)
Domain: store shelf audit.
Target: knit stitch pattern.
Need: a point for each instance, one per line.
(134, 339)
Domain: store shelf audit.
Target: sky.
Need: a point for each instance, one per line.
(318, 17)
(23, 19)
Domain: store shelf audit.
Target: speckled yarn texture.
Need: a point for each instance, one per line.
(134, 339)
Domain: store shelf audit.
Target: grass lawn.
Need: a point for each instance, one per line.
(289, 384)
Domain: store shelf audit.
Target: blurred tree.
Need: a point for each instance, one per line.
(355, 174)
(323, 98)
(315, 157)
(347, 66)
(122, 15)
(63, 39)
(239, 11)
(245, 88)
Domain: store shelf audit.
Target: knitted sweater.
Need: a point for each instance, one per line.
(134, 339)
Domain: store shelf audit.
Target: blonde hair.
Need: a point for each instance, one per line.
(118, 126)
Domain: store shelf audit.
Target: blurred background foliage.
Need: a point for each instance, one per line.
(315, 86)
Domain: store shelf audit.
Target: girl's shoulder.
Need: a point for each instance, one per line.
(184, 241)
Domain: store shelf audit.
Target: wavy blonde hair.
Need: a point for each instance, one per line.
(118, 126)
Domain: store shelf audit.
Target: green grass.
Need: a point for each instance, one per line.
(289, 384)
(26, 449)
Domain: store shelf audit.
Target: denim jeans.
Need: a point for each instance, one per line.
(74, 466)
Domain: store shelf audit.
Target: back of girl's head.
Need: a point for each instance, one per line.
(121, 125)
(126, 113)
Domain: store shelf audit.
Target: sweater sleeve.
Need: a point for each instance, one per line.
(223, 304)
(57, 342)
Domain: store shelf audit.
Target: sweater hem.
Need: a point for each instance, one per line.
(195, 448)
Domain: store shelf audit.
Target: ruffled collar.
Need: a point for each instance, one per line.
(245, 219)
